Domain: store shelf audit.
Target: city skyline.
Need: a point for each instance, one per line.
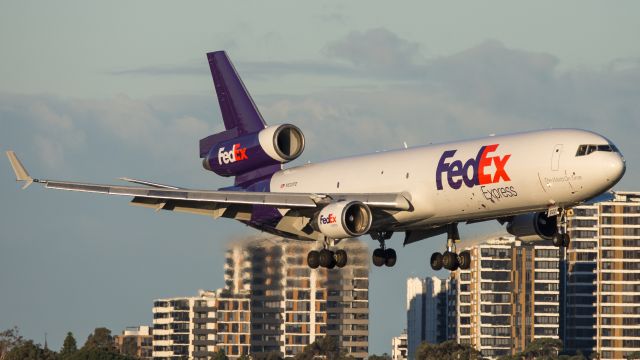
(95, 92)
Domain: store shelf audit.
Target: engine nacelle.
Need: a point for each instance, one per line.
(344, 219)
(533, 226)
(273, 145)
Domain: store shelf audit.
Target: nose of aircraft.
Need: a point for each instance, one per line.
(615, 167)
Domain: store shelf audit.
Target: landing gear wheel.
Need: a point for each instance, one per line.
(390, 257)
(450, 261)
(378, 257)
(436, 261)
(332, 263)
(313, 259)
(464, 260)
(341, 258)
(566, 240)
(557, 240)
(326, 258)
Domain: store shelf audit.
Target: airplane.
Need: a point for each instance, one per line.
(526, 180)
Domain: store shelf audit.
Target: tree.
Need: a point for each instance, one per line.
(633, 355)
(9, 339)
(384, 356)
(448, 350)
(220, 355)
(97, 354)
(69, 346)
(100, 339)
(27, 350)
(327, 347)
(130, 346)
(542, 349)
(271, 355)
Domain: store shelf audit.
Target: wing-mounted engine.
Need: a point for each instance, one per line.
(273, 145)
(533, 226)
(343, 219)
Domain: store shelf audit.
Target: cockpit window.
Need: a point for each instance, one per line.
(589, 148)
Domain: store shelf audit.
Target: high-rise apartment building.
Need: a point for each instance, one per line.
(399, 347)
(293, 305)
(427, 312)
(508, 297)
(602, 289)
(197, 327)
(135, 341)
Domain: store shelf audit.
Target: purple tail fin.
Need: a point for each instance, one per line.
(239, 112)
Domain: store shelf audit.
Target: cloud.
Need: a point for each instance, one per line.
(377, 50)
(486, 89)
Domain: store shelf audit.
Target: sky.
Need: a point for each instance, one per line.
(95, 91)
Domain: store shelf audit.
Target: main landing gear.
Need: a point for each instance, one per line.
(327, 258)
(562, 237)
(450, 260)
(383, 255)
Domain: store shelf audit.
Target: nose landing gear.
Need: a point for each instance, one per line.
(383, 255)
(450, 260)
(562, 237)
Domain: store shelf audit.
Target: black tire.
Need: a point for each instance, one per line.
(557, 240)
(378, 257)
(313, 259)
(390, 257)
(326, 258)
(341, 258)
(332, 263)
(566, 240)
(464, 260)
(450, 261)
(436, 261)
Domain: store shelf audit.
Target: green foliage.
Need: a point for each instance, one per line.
(633, 355)
(29, 351)
(448, 350)
(9, 339)
(271, 355)
(384, 356)
(542, 349)
(96, 353)
(100, 339)
(220, 355)
(69, 347)
(324, 347)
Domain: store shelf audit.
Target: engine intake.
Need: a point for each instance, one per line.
(273, 145)
(533, 226)
(282, 142)
(344, 219)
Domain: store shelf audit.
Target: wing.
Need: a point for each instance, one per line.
(210, 202)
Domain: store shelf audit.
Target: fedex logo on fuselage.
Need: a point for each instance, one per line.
(235, 154)
(474, 171)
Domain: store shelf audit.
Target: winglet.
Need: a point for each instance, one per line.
(18, 168)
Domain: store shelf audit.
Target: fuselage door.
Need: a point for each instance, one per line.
(555, 157)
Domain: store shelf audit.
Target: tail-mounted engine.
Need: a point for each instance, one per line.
(343, 219)
(276, 144)
(533, 226)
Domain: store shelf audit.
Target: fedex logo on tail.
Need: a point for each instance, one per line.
(474, 171)
(235, 154)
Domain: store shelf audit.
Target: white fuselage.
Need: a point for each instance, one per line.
(520, 173)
